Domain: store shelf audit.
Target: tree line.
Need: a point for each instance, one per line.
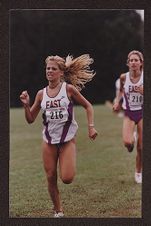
(107, 35)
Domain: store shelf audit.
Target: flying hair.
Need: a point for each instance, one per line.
(76, 70)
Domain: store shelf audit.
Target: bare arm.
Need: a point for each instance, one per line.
(74, 94)
(31, 112)
(116, 105)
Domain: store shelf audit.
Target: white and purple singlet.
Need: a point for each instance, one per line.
(58, 117)
(132, 100)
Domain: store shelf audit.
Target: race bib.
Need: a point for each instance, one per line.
(135, 99)
(57, 114)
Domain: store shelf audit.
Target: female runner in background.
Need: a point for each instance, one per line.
(131, 89)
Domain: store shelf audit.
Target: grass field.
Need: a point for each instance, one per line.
(104, 185)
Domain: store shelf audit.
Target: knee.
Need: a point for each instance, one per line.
(127, 143)
(67, 179)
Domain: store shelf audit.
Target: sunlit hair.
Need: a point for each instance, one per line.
(76, 70)
(139, 54)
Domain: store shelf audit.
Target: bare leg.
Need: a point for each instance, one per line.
(67, 161)
(128, 131)
(50, 159)
(139, 147)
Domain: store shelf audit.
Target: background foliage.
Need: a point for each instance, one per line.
(107, 35)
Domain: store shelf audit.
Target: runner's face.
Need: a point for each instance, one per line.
(134, 62)
(53, 72)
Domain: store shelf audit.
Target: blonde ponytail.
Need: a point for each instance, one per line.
(78, 71)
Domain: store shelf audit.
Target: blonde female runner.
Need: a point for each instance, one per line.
(66, 77)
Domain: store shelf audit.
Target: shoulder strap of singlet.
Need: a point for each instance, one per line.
(44, 92)
(63, 88)
(142, 74)
(127, 79)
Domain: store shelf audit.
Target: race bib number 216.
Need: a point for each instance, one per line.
(54, 114)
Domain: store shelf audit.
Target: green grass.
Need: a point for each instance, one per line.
(104, 185)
